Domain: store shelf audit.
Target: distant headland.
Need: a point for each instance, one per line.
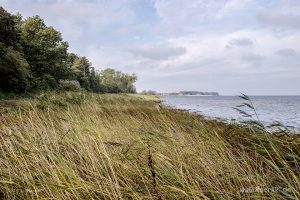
(182, 93)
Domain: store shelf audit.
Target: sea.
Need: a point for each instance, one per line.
(270, 109)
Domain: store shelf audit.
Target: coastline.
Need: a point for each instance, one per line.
(223, 120)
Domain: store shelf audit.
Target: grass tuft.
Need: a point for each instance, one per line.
(89, 146)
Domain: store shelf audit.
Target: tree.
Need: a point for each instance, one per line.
(95, 82)
(9, 33)
(34, 57)
(127, 83)
(81, 68)
(13, 71)
(45, 51)
(116, 81)
(13, 65)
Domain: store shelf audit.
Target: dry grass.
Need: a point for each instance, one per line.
(89, 146)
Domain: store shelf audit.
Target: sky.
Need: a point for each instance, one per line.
(227, 46)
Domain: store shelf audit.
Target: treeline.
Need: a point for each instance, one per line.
(34, 57)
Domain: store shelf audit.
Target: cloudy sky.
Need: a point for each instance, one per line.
(229, 46)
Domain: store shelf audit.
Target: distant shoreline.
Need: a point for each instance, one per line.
(191, 93)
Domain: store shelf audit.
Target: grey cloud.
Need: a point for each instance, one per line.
(286, 20)
(252, 57)
(286, 52)
(158, 52)
(241, 42)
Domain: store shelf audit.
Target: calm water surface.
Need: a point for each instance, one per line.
(285, 109)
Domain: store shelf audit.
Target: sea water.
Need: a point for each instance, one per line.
(285, 109)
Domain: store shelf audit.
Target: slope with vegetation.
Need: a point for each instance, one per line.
(121, 146)
(34, 57)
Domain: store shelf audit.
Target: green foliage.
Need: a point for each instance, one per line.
(116, 81)
(9, 33)
(95, 82)
(14, 71)
(67, 85)
(44, 49)
(13, 66)
(34, 57)
(81, 67)
(60, 100)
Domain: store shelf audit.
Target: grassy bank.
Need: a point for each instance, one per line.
(88, 146)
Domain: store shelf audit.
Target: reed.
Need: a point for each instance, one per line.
(89, 146)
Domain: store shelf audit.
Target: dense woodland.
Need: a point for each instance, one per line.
(34, 57)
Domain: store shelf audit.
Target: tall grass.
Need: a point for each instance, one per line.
(89, 146)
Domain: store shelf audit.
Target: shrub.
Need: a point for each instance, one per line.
(67, 85)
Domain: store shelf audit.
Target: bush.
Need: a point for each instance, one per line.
(67, 85)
